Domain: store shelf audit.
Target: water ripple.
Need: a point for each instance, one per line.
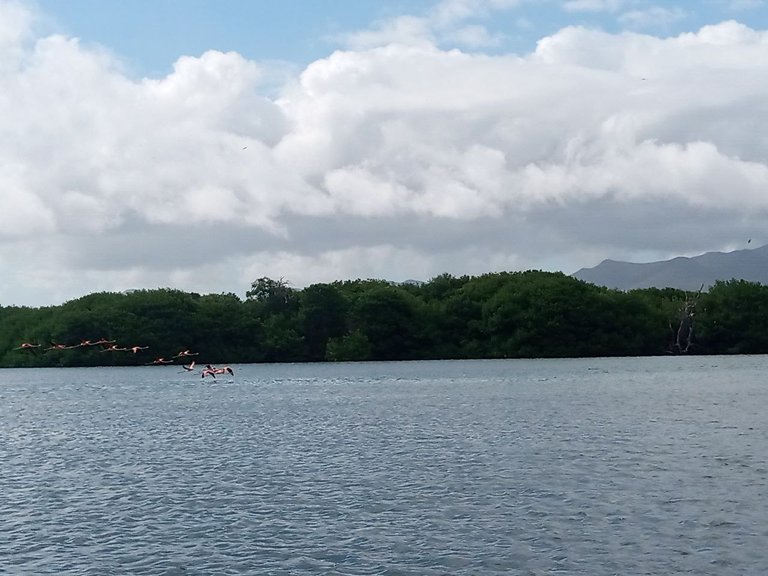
(594, 467)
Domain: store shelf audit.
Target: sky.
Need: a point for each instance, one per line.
(200, 145)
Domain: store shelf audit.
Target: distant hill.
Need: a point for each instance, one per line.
(683, 273)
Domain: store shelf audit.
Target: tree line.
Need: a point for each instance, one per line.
(531, 314)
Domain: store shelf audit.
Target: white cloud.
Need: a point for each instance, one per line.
(593, 5)
(456, 22)
(16, 22)
(655, 17)
(399, 161)
(451, 12)
(408, 30)
(474, 36)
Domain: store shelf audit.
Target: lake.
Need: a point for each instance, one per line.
(530, 467)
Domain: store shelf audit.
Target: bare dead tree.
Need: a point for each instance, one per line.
(684, 334)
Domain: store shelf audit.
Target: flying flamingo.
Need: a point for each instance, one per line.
(27, 346)
(160, 360)
(212, 371)
(55, 346)
(114, 348)
(185, 353)
(135, 349)
(190, 367)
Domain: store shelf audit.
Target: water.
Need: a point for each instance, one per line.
(594, 467)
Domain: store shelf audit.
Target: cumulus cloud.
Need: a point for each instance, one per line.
(390, 159)
(15, 29)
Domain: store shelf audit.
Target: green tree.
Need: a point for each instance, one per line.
(349, 348)
(732, 318)
(323, 315)
(388, 317)
(274, 295)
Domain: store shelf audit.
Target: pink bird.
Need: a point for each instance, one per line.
(212, 371)
(55, 346)
(185, 353)
(190, 367)
(114, 348)
(27, 346)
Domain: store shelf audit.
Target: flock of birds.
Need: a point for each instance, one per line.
(111, 346)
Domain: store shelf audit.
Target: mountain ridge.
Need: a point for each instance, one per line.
(682, 272)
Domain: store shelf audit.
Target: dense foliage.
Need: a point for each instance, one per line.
(501, 315)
